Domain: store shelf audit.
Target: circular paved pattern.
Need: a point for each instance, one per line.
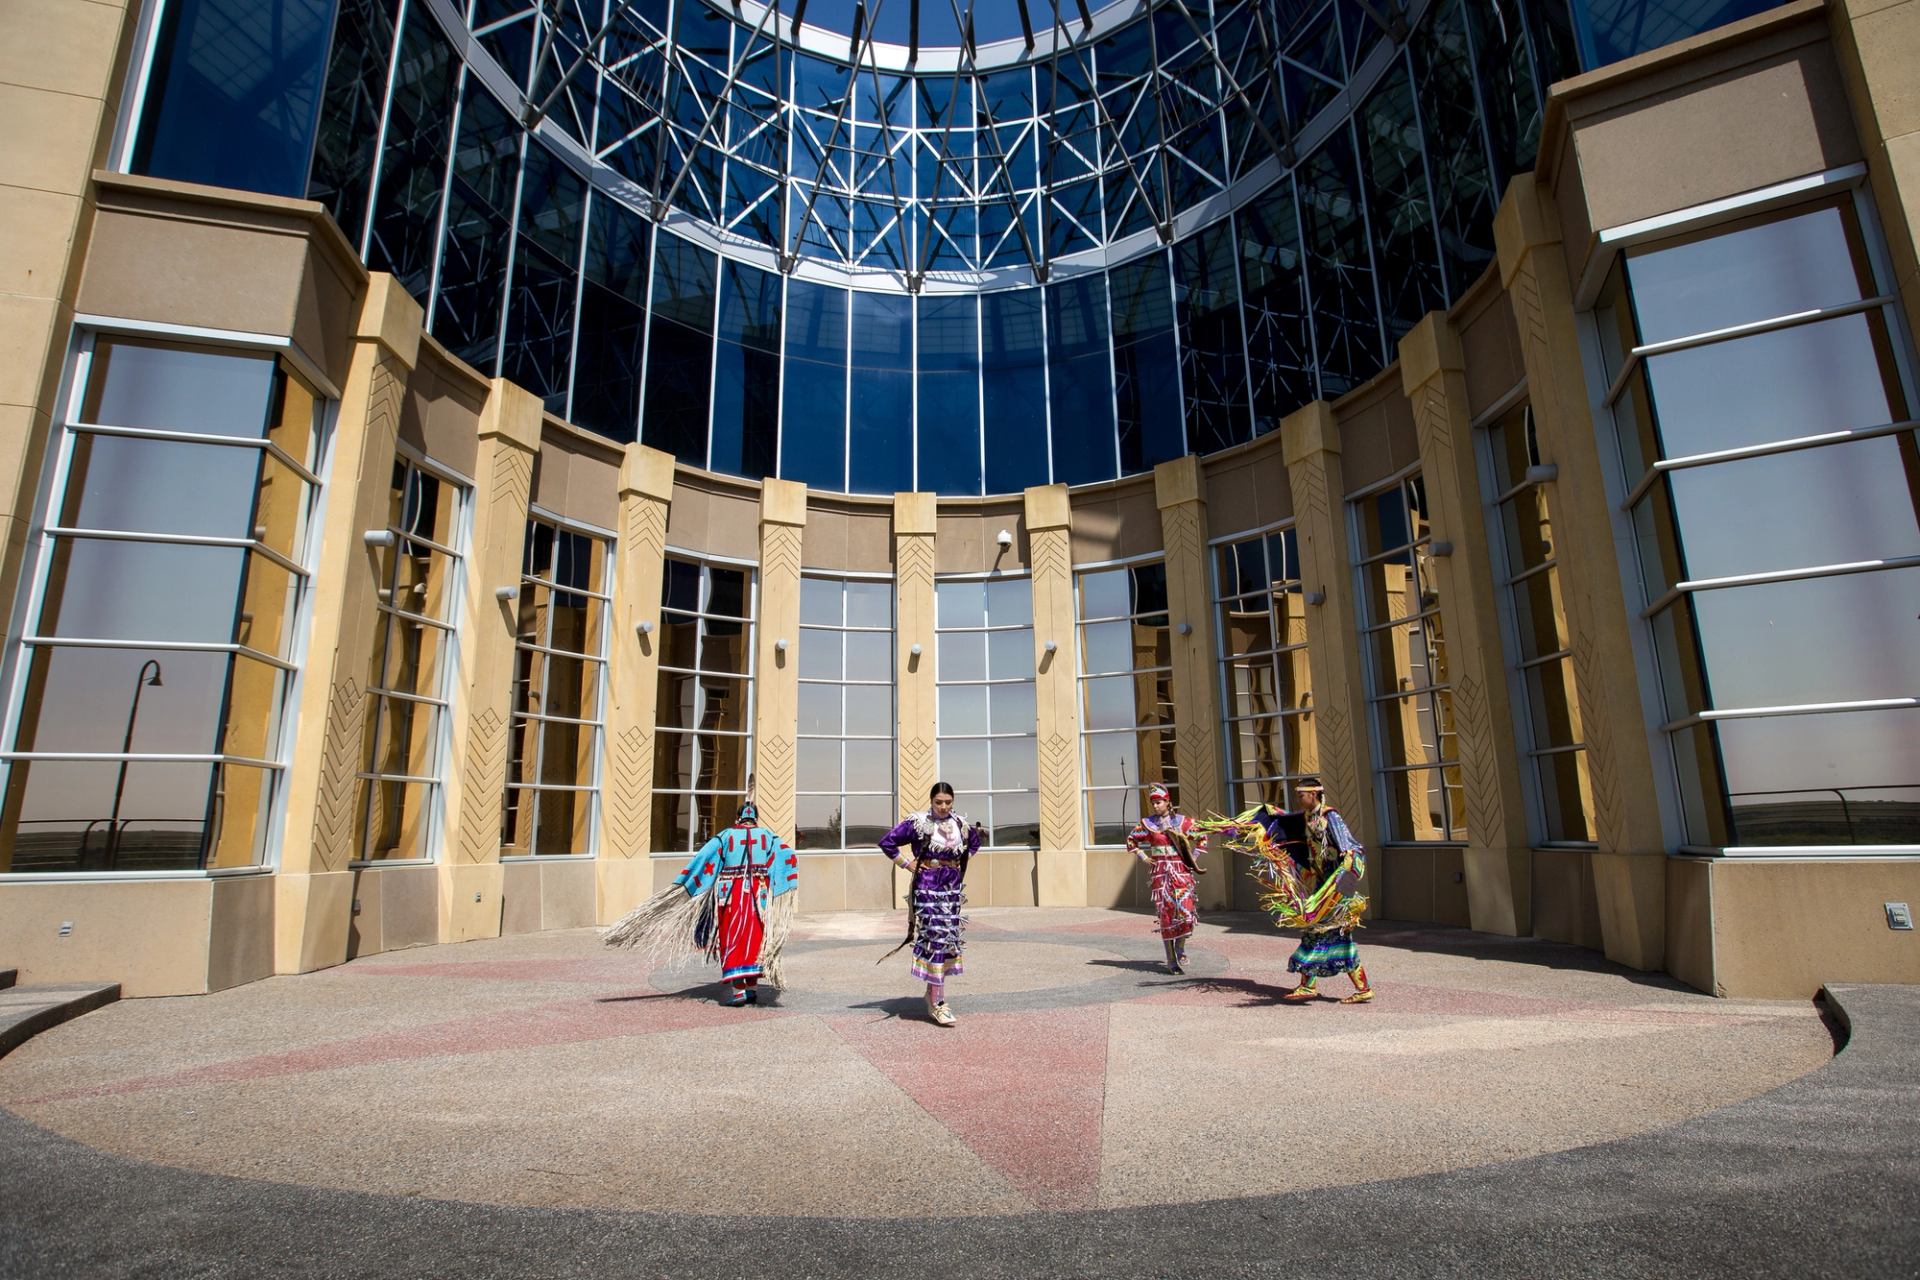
(545, 1070)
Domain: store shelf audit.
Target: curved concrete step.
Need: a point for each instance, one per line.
(27, 1011)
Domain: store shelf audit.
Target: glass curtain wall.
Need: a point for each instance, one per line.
(1266, 680)
(1126, 695)
(986, 238)
(1540, 641)
(845, 779)
(1409, 685)
(703, 740)
(1762, 366)
(167, 597)
(987, 711)
(559, 682)
(418, 567)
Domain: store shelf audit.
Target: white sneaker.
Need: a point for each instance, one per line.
(942, 1015)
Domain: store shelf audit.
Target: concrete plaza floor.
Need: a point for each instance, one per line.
(540, 1105)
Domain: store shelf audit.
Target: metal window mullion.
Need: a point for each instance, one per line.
(1531, 571)
(421, 619)
(1416, 692)
(280, 455)
(421, 698)
(1772, 448)
(1558, 655)
(526, 646)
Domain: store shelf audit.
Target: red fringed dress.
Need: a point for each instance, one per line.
(1174, 901)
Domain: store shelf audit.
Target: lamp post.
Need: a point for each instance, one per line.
(140, 682)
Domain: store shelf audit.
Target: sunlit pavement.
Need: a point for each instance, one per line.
(540, 1105)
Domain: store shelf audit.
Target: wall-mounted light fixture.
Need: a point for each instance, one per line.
(1004, 538)
(1315, 598)
(1185, 628)
(646, 628)
(915, 651)
(505, 594)
(780, 645)
(1051, 646)
(1440, 547)
(378, 537)
(1541, 472)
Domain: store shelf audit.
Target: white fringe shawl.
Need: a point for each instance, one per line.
(662, 929)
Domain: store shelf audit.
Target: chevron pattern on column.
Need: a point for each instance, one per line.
(1059, 798)
(339, 763)
(630, 792)
(1337, 768)
(1478, 772)
(483, 785)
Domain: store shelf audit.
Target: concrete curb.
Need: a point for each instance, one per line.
(27, 1011)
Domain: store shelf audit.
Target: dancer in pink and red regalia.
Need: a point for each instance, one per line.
(1167, 842)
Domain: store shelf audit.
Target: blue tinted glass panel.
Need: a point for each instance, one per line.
(679, 350)
(539, 350)
(1213, 360)
(1081, 381)
(1275, 308)
(1346, 328)
(880, 421)
(1146, 368)
(473, 259)
(1013, 378)
(413, 168)
(1399, 206)
(356, 89)
(813, 437)
(613, 322)
(746, 382)
(949, 389)
(235, 93)
(1507, 85)
(1610, 30)
(1463, 190)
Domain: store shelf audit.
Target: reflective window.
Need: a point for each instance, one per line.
(402, 235)
(1400, 205)
(1279, 334)
(479, 213)
(1525, 561)
(986, 715)
(559, 676)
(170, 589)
(1080, 378)
(845, 776)
(1464, 194)
(1213, 354)
(1346, 323)
(703, 741)
(948, 386)
(880, 396)
(679, 350)
(1794, 609)
(813, 430)
(746, 380)
(415, 655)
(1267, 684)
(1409, 684)
(540, 306)
(608, 357)
(349, 126)
(234, 93)
(1013, 390)
(1126, 695)
(1146, 364)
(1610, 30)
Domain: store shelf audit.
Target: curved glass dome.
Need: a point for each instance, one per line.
(773, 248)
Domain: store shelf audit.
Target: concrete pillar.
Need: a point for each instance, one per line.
(1310, 442)
(476, 771)
(916, 736)
(1062, 862)
(776, 708)
(1629, 871)
(623, 873)
(1179, 489)
(313, 892)
(1499, 854)
(1875, 43)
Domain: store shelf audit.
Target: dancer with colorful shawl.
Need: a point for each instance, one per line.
(734, 903)
(1169, 842)
(1310, 868)
(935, 845)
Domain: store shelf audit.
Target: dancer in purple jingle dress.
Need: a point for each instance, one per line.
(935, 845)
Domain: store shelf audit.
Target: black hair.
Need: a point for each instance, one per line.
(938, 788)
(1309, 781)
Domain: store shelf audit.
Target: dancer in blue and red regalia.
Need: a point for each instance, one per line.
(734, 902)
(939, 843)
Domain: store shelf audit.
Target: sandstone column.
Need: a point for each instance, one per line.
(1499, 854)
(1629, 871)
(1062, 861)
(916, 736)
(313, 892)
(783, 516)
(624, 873)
